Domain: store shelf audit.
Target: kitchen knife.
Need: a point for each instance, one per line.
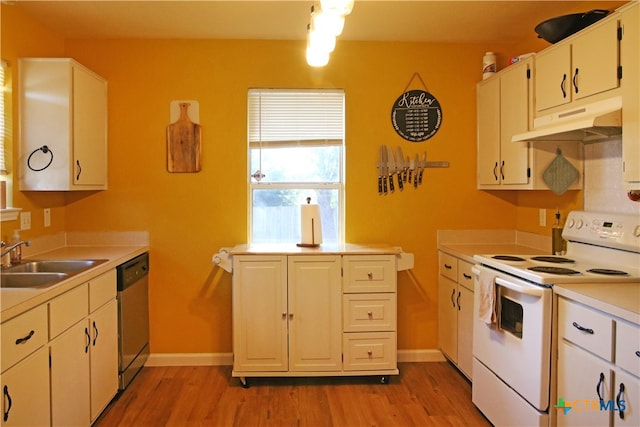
(411, 166)
(417, 171)
(380, 171)
(402, 169)
(383, 156)
(423, 164)
(392, 169)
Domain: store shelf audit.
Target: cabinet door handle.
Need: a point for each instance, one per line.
(638, 353)
(582, 328)
(9, 403)
(495, 168)
(575, 81)
(458, 300)
(564, 79)
(95, 336)
(447, 266)
(466, 276)
(86, 333)
(25, 339)
(622, 408)
(600, 385)
(453, 294)
(79, 170)
(502, 170)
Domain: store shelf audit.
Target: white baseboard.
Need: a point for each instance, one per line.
(425, 355)
(190, 359)
(226, 359)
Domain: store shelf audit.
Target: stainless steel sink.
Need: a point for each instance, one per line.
(54, 266)
(30, 280)
(44, 273)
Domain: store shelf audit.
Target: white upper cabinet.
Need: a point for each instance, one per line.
(630, 83)
(577, 68)
(63, 126)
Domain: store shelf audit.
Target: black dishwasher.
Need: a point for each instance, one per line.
(133, 318)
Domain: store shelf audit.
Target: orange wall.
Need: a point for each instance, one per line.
(190, 216)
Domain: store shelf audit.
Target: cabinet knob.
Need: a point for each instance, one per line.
(290, 315)
(370, 352)
(284, 315)
(370, 275)
(370, 313)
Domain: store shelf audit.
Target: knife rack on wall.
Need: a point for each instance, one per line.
(405, 171)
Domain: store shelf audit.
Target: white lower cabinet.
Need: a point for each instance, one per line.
(292, 315)
(67, 353)
(25, 392)
(598, 366)
(455, 311)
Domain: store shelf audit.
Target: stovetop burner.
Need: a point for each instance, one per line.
(554, 270)
(607, 272)
(507, 258)
(553, 259)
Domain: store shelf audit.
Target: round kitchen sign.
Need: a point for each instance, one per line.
(416, 115)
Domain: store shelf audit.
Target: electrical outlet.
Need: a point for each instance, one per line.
(543, 217)
(25, 221)
(47, 217)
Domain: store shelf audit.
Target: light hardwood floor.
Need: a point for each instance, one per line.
(424, 394)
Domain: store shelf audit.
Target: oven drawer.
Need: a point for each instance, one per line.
(465, 276)
(364, 351)
(586, 328)
(628, 347)
(369, 312)
(448, 266)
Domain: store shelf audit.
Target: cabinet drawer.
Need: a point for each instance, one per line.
(465, 276)
(586, 327)
(22, 335)
(67, 309)
(369, 312)
(102, 289)
(369, 273)
(628, 347)
(369, 351)
(448, 266)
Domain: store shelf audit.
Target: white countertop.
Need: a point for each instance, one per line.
(14, 301)
(620, 299)
(324, 249)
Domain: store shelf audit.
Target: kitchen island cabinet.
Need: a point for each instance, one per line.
(318, 312)
(73, 129)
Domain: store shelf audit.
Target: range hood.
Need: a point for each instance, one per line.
(594, 122)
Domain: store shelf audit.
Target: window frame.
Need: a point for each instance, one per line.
(339, 185)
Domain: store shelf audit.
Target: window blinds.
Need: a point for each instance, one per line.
(280, 117)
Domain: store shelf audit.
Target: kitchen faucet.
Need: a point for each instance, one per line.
(11, 248)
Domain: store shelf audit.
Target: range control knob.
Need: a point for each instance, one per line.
(580, 224)
(571, 223)
(636, 231)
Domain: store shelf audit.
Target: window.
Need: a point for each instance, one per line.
(296, 150)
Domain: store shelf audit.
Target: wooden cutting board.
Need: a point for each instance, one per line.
(184, 145)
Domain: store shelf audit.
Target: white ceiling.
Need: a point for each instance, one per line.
(398, 20)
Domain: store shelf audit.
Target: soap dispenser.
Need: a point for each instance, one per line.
(559, 245)
(16, 253)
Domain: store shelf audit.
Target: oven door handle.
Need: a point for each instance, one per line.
(526, 290)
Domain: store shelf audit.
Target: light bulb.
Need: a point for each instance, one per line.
(340, 7)
(317, 58)
(327, 22)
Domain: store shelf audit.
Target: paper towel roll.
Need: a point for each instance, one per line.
(311, 225)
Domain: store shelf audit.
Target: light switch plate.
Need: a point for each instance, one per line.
(543, 217)
(25, 221)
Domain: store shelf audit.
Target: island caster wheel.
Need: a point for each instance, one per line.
(243, 382)
(384, 379)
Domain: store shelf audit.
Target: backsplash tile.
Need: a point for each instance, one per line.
(603, 184)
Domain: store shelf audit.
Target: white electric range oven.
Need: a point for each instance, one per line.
(512, 342)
